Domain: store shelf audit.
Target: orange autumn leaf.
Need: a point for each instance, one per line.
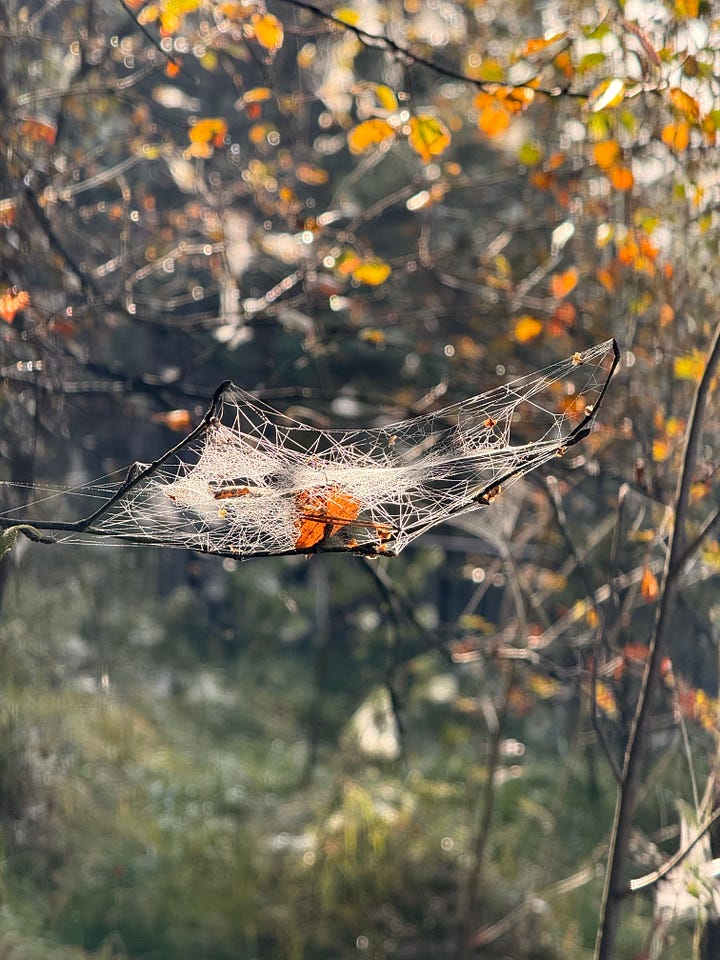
(179, 420)
(676, 136)
(527, 328)
(605, 700)
(368, 134)
(315, 176)
(606, 153)
(257, 95)
(667, 314)
(209, 130)
(172, 68)
(538, 44)
(606, 278)
(428, 137)
(649, 587)
(321, 513)
(493, 120)
(621, 177)
(684, 103)
(12, 302)
(561, 284)
(39, 130)
(268, 31)
(236, 11)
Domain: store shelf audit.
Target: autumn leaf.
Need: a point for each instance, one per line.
(684, 104)
(561, 284)
(12, 302)
(346, 15)
(605, 700)
(493, 120)
(649, 587)
(257, 95)
(321, 513)
(368, 134)
(607, 94)
(315, 176)
(372, 272)
(268, 31)
(170, 13)
(689, 367)
(527, 328)
(676, 136)
(606, 153)
(428, 136)
(236, 11)
(178, 420)
(621, 177)
(37, 129)
(537, 44)
(209, 130)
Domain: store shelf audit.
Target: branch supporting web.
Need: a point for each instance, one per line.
(249, 481)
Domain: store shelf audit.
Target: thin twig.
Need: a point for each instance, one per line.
(641, 883)
(636, 746)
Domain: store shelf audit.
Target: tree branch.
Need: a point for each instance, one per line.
(636, 745)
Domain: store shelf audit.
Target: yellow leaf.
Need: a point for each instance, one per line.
(687, 9)
(684, 103)
(527, 328)
(268, 31)
(345, 15)
(257, 95)
(386, 97)
(368, 134)
(544, 687)
(606, 153)
(660, 450)
(605, 700)
(607, 94)
(561, 284)
(171, 14)
(428, 137)
(372, 273)
(210, 129)
(689, 367)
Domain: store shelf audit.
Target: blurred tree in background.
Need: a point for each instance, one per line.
(360, 213)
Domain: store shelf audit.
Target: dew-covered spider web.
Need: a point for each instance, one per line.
(249, 481)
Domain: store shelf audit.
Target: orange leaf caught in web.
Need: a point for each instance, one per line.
(38, 130)
(321, 513)
(12, 302)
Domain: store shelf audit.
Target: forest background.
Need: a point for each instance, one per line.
(502, 742)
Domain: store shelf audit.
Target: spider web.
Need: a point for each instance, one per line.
(249, 481)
